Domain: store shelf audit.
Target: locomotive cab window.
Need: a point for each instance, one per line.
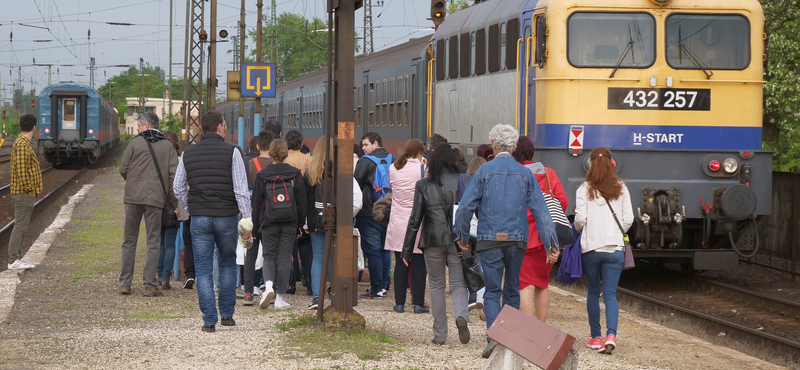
(706, 41)
(603, 40)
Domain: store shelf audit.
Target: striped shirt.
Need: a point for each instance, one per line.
(26, 175)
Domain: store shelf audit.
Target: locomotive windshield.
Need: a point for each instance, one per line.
(599, 40)
(704, 41)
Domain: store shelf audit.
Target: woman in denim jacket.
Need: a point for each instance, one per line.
(502, 190)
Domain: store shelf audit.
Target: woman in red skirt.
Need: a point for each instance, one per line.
(534, 277)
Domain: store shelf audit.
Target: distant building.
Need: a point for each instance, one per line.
(159, 106)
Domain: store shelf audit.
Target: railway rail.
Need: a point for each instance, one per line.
(770, 320)
(5, 158)
(4, 189)
(40, 205)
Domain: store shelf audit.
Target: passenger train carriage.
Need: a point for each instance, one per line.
(75, 123)
(673, 88)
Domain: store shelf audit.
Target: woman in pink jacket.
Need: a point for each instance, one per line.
(403, 177)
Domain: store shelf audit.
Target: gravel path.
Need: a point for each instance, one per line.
(68, 316)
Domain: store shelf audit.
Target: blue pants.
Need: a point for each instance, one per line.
(606, 268)
(498, 263)
(166, 254)
(379, 260)
(206, 232)
(318, 248)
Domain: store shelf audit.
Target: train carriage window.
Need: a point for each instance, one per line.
(400, 97)
(718, 41)
(512, 35)
(465, 54)
(359, 104)
(452, 57)
(599, 40)
(494, 50)
(480, 52)
(69, 110)
(472, 54)
(502, 45)
(440, 60)
(370, 100)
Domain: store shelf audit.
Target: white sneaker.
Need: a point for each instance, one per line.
(281, 304)
(267, 295)
(256, 291)
(20, 265)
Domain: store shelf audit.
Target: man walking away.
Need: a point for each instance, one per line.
(144, 197)
(26, 182)
(215, 173)
(501, 190)
(302, 246)
(372, 175)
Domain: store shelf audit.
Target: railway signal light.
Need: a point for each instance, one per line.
(438, 9)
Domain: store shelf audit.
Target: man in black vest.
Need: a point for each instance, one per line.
(217, 192)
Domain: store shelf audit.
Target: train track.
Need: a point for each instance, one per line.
(5, 158)
(40, 205)
(5, 189)
(771, 321)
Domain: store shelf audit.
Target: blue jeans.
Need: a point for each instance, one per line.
(379, 260)
(317, 247)
(497, 263)
(206, 232)
(605, 267)
(166, 254)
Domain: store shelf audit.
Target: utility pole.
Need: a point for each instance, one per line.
(212, 60)
(169, 84)
(91, 71)
(141, 85)
(49, 74)
(186, 82)
(344, 283)
(241, 60)
(274, 17)
(259, 58)
(368, 27)
(235, 52)
(194, 93)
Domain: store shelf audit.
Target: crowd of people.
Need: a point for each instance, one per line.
(428, 208)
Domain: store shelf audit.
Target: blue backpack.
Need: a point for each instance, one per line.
(380, 185)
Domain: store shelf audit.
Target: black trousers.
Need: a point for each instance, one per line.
(301, 249)
(419, 274)
(188, 254)
(250, 257)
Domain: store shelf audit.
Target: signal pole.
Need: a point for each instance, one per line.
(169, 84)
(212, 59)
(241, 60)
(259, 59)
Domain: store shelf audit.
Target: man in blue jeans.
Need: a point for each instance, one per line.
(373, 234)
(501, 190)
(217, 192)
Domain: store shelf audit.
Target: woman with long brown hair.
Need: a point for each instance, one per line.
(403, 177)
(599, 200)
(166, 254)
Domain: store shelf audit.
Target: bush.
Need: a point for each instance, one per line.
(12, 127)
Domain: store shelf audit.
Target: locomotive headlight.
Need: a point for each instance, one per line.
(713, 165)
(91, 131)
(730, 165)
(47, 131)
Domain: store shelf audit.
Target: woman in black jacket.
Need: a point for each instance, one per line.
(434, 199)
(279, 212)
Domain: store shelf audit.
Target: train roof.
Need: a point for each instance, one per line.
(731, 5)
(90, 91)
(480, 16)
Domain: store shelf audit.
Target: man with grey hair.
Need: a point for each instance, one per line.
(145, 198)
(502, 191)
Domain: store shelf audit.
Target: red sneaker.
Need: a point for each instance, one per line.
(595, 343)
(610, 344)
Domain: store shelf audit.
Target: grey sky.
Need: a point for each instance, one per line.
(67, 23)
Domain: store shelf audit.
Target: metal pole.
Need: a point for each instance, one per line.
(212, 59)
(241, 60)
(795, 221)
(141, 85)
(186, 49)
(259, 59)
(169, 84)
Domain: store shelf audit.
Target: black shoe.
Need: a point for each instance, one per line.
(228, 321)
(291, 290)
(314, 304)
(436, 342)
(463, 330)
(188, 283)
(306, 282)
(209, 328)
(421, 309)
(399, 308)
(489, 349)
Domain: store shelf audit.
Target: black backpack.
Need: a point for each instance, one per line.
(280, 203)
(319, 205)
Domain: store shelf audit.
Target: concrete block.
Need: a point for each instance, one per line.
(503, 358)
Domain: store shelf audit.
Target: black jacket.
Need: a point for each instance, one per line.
(311, 200)
(365, 176)
(209, 174)
(434, 215)
(288, 173)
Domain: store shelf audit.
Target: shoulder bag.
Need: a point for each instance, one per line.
(560, 222)
(473, 273)
(169, 220)
(629, 264)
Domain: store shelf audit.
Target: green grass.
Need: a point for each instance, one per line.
(101, 235)
(309, 337)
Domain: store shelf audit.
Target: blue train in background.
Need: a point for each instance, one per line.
(75, 123)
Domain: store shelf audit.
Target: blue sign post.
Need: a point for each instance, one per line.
(258, 80)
